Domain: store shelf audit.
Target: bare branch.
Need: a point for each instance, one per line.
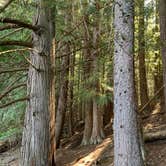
(10, 33)
(14, 101)
(15, 50)
(13, 70)
(8, 90)
(19, 23)
(9, 26)
(156, 94)
(16, 43)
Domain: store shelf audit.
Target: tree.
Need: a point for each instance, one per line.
(126, 141)
(93, 131)
(63, 93)
(162, 15)
(87, 73)
(97, 130)
(38, 146)
(143, 90)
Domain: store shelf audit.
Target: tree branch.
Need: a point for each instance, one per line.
(8, 90)
(13, 70)
(15, 50)
(16, 43)
(14, 101)
(9, 26)
(19, 23)
(161, 88)
(10, 33)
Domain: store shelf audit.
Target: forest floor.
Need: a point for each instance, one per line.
(71, 154)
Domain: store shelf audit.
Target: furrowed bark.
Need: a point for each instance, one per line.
(127, 150)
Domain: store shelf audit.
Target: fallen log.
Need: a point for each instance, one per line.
(155, 136)
(92, 157)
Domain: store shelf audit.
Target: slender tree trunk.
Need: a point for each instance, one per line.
(62, 101)
(71, 94)
(71, 71)
(126, 140)
(36, 142)
(52, 157)
(162, 15)
(141, 56)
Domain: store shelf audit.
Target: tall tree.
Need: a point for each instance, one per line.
(97, 130)
(143, 89)
(126, 141)
(162, 15)
(62, 100)
(64, 78)
(38, 146)
(88, 107)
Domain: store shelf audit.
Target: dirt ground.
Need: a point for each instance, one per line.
(84, 156)
(71, 154)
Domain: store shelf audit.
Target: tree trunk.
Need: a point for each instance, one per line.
(36, 146)
(62, 101)
(162, 15)
(143, 90)
(88, 105)
(126, 140)
(71, 94)
(71, 71)
(52, 150)
(88, 123)
(97, 130)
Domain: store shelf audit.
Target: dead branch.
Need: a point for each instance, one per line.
(20, 23)
(9, 26)
(14, 101)
(15, 50)
(11, 33)
(151, 99)
(16, 43)
(8, 90)
(13, 70)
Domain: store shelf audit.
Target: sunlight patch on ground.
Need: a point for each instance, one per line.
(93, 156)
(148, 126)
(157, 109)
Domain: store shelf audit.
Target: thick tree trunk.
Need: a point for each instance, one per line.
(88, 105)
(126, 140)
(36, 146)
(88, 123)
(97, 130)
(93, 132)
(162, 15)
(143, 90)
